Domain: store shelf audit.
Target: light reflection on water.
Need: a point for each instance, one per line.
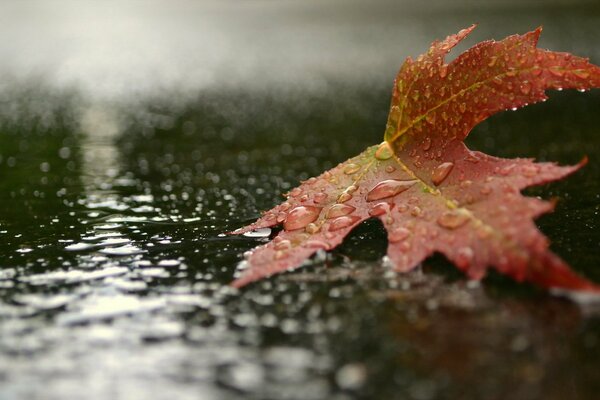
(114, 275)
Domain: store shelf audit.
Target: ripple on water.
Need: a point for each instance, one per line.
(121, 251)
(73, 276)
(109, 306)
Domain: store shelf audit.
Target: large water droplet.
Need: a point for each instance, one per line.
(343, 222)
(283, 245)
(398, 234)
(351, 169)
(581, 74)
(389, 188)
(556, 71)
(338, 210)
(384, 152)
(530, 170)
(443, 71)
(379, 209)
(453, 219)
(441, 172)
(426, 145)
(301, 216)
(351, 189)
(525, 87)
(344, 197)
(312, 228)
(320, 197)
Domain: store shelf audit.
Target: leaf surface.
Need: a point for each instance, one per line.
(431, 192)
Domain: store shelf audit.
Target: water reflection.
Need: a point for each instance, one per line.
(115, 267)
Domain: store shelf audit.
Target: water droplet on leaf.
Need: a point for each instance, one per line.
(338, 210)
(384, 151)
(426, 145)
(312, 228)
(389, 188)
(453, 219)
(398, 234)
(283, 245)
(344, 197)
(351, 169)
(320, 197)
(379, 209)
(301, 216)
(343, 222)
(441, 172)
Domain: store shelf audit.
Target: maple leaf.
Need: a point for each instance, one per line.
(431, 192)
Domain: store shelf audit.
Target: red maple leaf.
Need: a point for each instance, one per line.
(431, 192)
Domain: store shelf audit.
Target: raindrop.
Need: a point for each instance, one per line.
(581, 74)
(320, 197)
(283, 245)
(379, 209)
(338, 210)
(389, 188)
(443, 71)
(384, 152)
(530, 170)
(343, 222)
(351, 189)
(525, 88)
(351, 169)
(556, 71)
(301, 216)
(389, 169)
(296, 192)
(344, 197)
(441, 172)
(312, 228)
(281, 217)
(453, 219)
(398, 234)
(426, 145)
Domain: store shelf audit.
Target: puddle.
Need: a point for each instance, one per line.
(115, 269)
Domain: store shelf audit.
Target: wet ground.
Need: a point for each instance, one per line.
(114, 269)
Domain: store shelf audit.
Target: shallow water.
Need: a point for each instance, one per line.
(113, 280)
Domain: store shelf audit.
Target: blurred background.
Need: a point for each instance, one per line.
(134, 133)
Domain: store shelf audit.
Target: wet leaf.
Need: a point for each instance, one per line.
(431, 192)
